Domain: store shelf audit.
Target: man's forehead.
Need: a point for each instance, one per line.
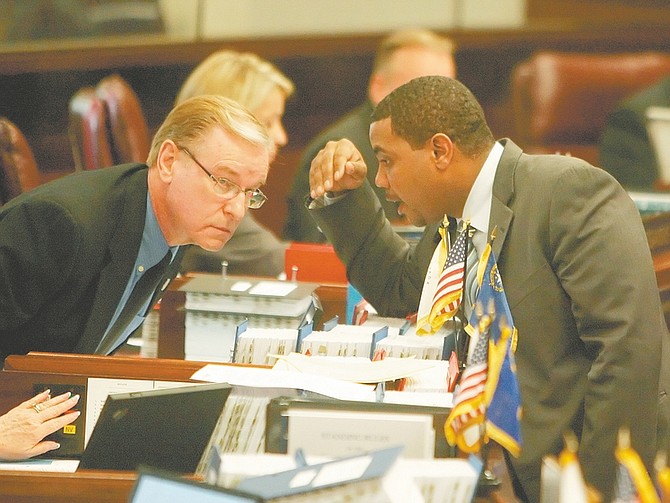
(381, 128)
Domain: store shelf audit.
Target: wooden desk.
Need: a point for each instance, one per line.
(103, 366)
(83, 486)
(20, 374)
(17, 379)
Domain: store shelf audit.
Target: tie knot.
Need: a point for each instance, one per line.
(463, 226)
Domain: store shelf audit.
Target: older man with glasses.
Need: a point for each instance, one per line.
(83, 259)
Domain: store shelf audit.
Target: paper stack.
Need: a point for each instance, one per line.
(343, 340)
(241, 428)
(215, 306)
(356, 478)
(412, 345)
(403, 342)
(260, 346)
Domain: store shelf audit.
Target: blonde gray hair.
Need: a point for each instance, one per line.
(192, 119)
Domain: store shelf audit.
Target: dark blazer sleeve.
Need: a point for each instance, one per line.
(299, 225)
(37, 250)
(386, 270)
(581, 286)
(66, 250)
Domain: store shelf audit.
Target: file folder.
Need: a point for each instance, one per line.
(167, 429)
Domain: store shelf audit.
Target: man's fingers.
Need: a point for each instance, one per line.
(338, 166)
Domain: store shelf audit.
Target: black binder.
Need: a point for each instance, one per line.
(167, 429)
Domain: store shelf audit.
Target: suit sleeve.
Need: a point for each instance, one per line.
(380, 264)
(38, 245)
(601, 256)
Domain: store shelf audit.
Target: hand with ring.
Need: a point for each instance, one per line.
(23, 428)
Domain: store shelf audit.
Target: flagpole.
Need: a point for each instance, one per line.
(462, 337)
(486, 361)
(488, 481)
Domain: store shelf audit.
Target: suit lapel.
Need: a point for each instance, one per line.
(169, 275)
(122, 251)
(501, 218)
(503, 190)
(151, 286)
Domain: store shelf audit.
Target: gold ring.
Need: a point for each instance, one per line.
(37, 408)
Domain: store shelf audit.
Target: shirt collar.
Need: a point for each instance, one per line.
(478, 205)
(154, 246)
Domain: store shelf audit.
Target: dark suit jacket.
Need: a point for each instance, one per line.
(625, 148)
(579, 279)
(354, 126)
(67, 250)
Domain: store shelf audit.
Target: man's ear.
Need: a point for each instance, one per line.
(167, 154)
(442, 150)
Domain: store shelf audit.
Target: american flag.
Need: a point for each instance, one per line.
(448, 294)
(469, 400)
(488, 403)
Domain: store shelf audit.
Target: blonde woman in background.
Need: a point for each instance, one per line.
(263, 89)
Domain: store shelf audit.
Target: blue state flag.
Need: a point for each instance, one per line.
(502, 388)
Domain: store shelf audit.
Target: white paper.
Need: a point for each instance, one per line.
(240, 286)
(42, 465)
(360, 370)
(272, 378)
(342, 433)
(344, 470)
(273, 288)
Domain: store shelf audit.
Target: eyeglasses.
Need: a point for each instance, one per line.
(228, 190)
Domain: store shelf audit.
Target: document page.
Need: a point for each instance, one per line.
(42, 465)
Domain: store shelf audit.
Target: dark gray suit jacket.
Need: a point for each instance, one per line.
(67, 250)
(579, 279)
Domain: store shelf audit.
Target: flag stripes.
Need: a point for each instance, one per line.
(449, 292)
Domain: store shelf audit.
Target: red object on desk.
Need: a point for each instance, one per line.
(315, 263)
(452, 376)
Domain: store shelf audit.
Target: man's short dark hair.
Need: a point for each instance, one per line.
(429, 105)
